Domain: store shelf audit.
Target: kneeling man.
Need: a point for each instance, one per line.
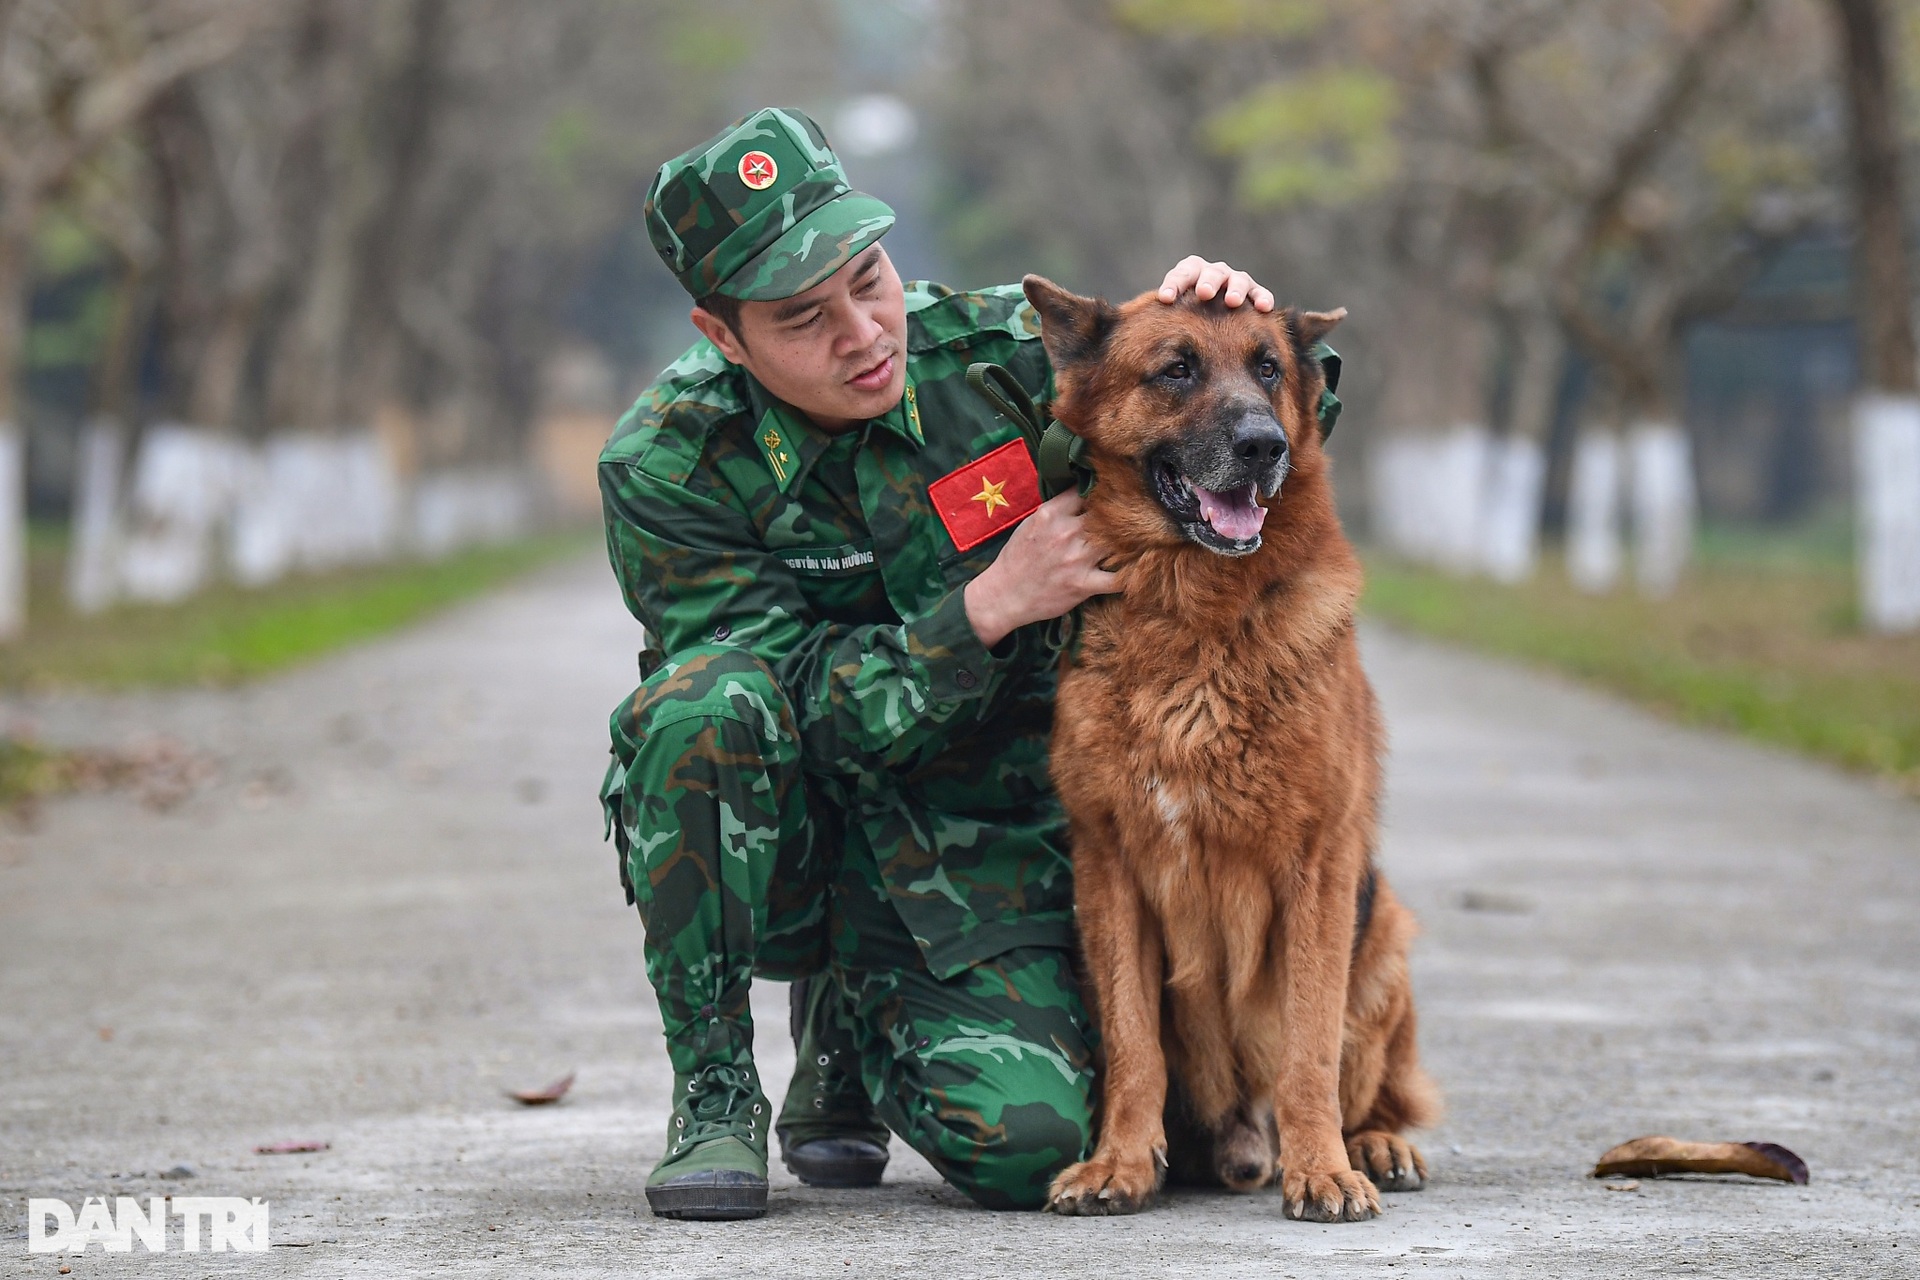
(835, 770)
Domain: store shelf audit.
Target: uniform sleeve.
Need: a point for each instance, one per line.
(693, 571)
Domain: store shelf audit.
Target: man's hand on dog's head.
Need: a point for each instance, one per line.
(1209, 280)
(1047, 567)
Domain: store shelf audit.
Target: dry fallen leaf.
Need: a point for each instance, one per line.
(541, 1097)
(1650, 1157)
(292, 1147)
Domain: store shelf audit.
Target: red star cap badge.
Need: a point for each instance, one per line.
(758, 170)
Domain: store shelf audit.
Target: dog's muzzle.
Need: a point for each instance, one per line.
(1212, 486)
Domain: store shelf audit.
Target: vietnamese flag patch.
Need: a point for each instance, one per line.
(987, 496)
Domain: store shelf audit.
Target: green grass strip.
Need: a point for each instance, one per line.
(1771, 649)
(228, 634)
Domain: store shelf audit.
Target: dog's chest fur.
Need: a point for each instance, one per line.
(1217, 755)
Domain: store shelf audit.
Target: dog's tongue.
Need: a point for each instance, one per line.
(1232, 513)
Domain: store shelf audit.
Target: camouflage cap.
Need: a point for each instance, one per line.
(762, 211)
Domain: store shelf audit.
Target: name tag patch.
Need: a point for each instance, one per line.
(848, 559)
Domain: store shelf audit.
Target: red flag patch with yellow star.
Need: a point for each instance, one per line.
(987, 496)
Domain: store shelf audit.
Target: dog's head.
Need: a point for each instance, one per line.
(1195, 413)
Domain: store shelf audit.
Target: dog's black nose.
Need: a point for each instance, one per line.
(1259, 442)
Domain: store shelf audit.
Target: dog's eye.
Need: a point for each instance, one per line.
(1178, 371)
(1269, 369)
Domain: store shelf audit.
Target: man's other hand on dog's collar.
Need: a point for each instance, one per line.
(1209, 280)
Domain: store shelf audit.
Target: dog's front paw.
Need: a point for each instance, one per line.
(1107, 1184)
(1390, 1160)
(1328, 1196)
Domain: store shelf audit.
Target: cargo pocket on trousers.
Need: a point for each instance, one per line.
(613, 795)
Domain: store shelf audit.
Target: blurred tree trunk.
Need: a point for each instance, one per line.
(1441, 344)
(16, 247)
(1880, 256)
(101, 457)
(1638, 346)
(74, 78)
(308, 369)
(116, 376)
(408, 114)
(1637, 349)
(1887, 415)
(117, 212)
(240, 133)
(1516, 478)
(1540, 357)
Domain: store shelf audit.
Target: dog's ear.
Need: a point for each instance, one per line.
(1073, 329)
(1311, 326)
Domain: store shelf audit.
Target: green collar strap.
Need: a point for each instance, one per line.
(1329, 403)
(1058, 454)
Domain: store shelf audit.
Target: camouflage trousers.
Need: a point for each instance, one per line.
(741, 866)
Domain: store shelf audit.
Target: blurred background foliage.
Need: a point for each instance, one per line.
(413, 203)
(1324, 137)
(1551, 221)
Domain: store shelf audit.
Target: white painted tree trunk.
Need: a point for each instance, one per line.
(93, 579)
(1887, 485)
(1661, 475)
(1510, 518)
(311, 501)
(1593, 513)
(183, 483)
(1389, 487)
(1428, 490)
(13, 531)
(455, 509)
(263, 532)
(1457, 491)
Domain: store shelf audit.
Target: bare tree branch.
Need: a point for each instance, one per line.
(108, 106)
(1638, 365)
(1638, 149)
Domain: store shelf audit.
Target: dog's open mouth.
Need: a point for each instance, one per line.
(1223, 520)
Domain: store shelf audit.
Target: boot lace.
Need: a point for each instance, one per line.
(719, 1100)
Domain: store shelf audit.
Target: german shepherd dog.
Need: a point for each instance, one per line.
(1216, 746)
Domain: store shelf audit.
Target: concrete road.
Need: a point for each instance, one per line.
(393, 903)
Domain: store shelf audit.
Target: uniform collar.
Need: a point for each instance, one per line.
(789, 444)
(904, 418)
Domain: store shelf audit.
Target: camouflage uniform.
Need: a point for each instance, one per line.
(824, 770)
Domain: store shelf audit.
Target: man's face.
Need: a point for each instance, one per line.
(837, 352)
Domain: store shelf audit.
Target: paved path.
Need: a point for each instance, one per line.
(394, 902)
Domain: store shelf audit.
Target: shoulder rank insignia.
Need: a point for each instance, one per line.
(779, 456)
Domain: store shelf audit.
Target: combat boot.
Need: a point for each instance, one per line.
(830, 1134)
(715, 1167)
